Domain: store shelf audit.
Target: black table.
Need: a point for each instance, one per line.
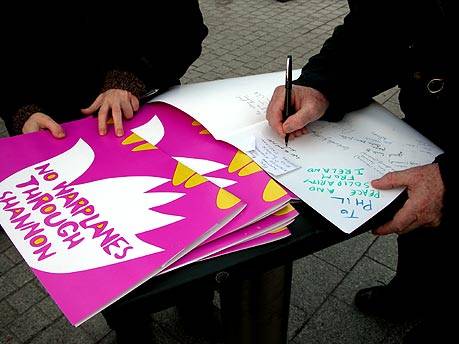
(254, 284)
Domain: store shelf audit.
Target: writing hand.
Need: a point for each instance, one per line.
(308, 103)
(117, 103)
(40, 121)
(425, 198)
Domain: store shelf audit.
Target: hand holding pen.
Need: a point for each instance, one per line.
(293, 107)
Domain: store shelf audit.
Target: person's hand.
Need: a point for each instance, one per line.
(425, 198)
(308, 103)
(40, 121)
(116, 103)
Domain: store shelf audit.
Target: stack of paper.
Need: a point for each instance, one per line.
(94, 216)
(330, 168)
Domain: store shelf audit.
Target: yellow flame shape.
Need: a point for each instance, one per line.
(181, 174)
(226, 200)
(144, 147)
(285, 210)
(273, 191)
(278, 230)
(239, 161)
(133, 138)
(195, 180)
(249, 169)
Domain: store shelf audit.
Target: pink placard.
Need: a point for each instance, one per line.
(95, 216)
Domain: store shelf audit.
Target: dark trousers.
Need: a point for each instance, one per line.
(427, 266)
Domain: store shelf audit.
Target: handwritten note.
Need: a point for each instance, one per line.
(272, 157)
(256, 100)
(371, 138)
(348, 190)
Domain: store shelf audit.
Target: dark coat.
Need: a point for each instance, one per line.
(59, 58)
(384, 43)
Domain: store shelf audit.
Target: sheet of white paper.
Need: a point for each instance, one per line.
(337, 161)
(271, 157)
(229, 105)
(247, 144)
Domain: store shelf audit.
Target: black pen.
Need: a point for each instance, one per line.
(288, 94)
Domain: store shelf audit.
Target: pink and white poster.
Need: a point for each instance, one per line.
(180, 136)
(94, 217)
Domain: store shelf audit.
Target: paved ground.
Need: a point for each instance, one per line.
(246, 37)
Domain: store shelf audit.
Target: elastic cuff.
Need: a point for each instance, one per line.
(21, 116)
(123, 80)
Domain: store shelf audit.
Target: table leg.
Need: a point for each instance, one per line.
(256, 310)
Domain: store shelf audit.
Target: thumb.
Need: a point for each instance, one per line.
(293, 123)
(297, 121)
(391, 180)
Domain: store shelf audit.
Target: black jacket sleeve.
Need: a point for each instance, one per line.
(143, 45)
(166, 41)
(361, 59)
(446, 169)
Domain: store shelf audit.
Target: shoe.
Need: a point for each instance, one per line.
(388, 302)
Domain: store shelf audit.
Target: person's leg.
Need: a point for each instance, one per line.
(437, 295)
(424, 259)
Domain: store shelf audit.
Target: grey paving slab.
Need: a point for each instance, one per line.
(71, 334)
(170, 322)
(49, 308)
(25, 297)
(297, 319)
(52, 334)
(29, 324)
(366, 273)
(6, 287)
(7, 313)
(313, 279)
(163, 336)
(346, 254)
(261, 34)
(13, 254)
(7, 338)
(19, 274)
(5, 242)
(96, 327)
(384, 251)
(5, 263)
(336, 322)
(110, 338)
